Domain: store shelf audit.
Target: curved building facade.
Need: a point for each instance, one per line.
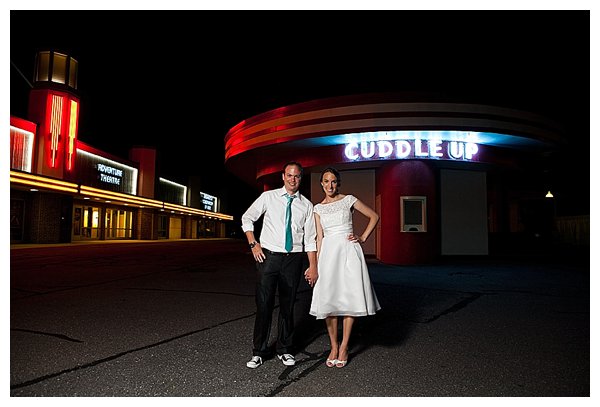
(444, 177)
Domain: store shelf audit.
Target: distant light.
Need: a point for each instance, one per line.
(33, 190)
(549, 195)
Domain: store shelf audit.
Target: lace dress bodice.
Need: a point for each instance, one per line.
(336, 217)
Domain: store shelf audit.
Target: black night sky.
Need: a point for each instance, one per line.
(179, 80)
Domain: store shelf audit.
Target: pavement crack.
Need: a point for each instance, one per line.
(456, 307)
(121, 354)
(59, 336)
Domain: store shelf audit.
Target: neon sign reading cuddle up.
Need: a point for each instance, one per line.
(417, 148)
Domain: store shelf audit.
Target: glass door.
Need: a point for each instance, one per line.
(85, 222)
(118, 224)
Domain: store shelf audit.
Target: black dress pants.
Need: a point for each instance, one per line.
(279, 271)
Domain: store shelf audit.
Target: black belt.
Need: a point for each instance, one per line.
(279, 253)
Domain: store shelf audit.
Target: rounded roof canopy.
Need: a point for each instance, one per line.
(375, 117)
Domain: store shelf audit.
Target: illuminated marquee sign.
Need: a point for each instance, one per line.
(109, 174)
(208, 202)
(172, 192)
(417, 148)
(102, 172)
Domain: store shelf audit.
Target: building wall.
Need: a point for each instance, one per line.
(146, 225)
(407, 178)
(463, 201)
(46, 218)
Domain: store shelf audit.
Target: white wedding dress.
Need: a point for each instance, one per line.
(343, 286)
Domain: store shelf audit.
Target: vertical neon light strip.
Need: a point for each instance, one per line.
(21, 149)
(55, 124)
(72, 134)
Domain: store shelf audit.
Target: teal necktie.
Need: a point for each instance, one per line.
(289, 242)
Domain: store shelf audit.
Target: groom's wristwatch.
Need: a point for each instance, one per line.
(252, 244)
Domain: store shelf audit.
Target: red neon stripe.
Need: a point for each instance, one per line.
(55, 125)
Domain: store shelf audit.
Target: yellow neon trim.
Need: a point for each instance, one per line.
(156, 204)
(197, 211)
(17, 175)
(117, 195)
(49, 183)
(43, 185)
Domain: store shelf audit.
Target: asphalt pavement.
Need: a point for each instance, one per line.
(175, 318)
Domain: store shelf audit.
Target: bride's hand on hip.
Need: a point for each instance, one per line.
(355, 238)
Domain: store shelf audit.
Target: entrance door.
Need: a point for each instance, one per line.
(86, 225)
(118, 224)
(175, 228)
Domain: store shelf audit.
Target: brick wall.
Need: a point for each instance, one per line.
(145, 229)
(44, 218)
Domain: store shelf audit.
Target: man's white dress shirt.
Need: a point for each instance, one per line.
(272, 236)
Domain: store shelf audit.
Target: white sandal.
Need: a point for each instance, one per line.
(340, 363)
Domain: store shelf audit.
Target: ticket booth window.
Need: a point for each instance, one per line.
(413, 213)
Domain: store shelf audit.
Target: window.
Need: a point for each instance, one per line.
(59, 68)
(56, 67)
(42, 72)
(88, 226)
(73, 73)
(413, 216)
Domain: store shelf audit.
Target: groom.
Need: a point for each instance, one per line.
(288, 230)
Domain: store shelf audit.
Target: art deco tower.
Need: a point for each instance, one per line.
(54, 106)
